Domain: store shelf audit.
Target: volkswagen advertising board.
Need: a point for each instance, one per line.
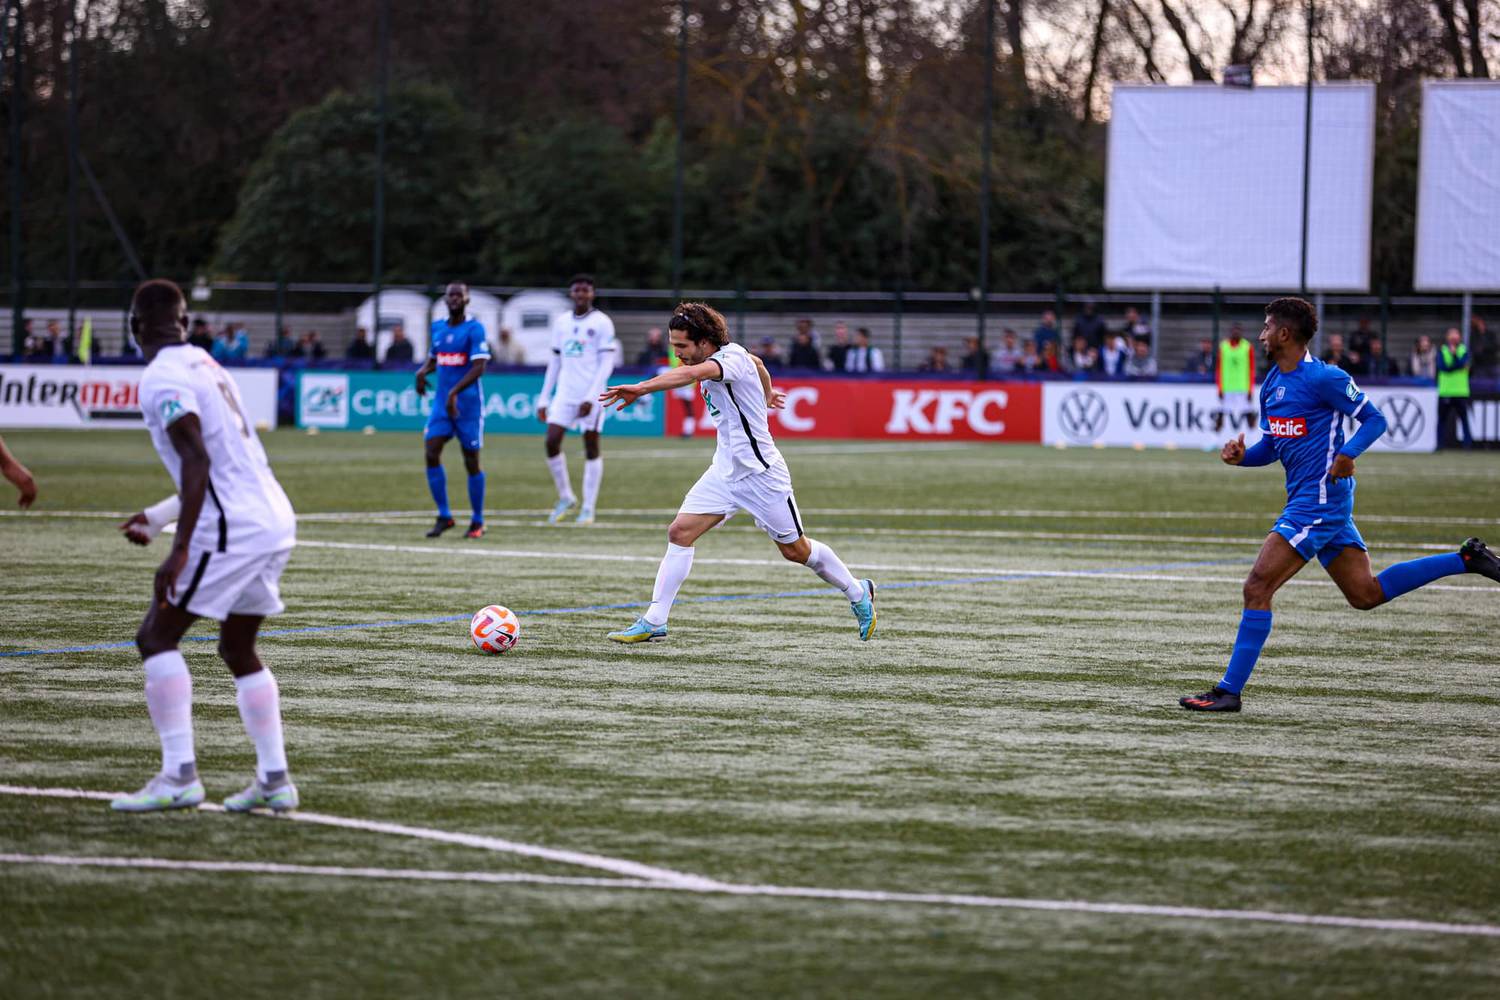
(1160, 414)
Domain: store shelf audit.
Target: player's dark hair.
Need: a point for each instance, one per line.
(1297, 314)
(581, 279)
(155, 301)
(700, 322)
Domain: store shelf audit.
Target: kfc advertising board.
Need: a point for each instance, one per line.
(855, 408)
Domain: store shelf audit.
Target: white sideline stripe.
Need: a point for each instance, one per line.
(883, 567)
(373, 516)
(773, 891)
(619, 866)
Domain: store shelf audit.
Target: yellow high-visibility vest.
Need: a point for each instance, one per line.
(1454, 383)
(1234, 367)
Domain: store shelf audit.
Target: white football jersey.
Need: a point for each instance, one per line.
(737, 403)
(245, 510)
(586, 347)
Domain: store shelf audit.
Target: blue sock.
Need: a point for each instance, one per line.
(1255, 628)
(476, 496)
(437, 482)
(1405, 577)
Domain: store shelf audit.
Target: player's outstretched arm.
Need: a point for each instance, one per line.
(18, 475)
(775, 398)
(186, 433)
(624, 395)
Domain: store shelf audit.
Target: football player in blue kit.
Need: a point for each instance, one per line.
(458, 352)
(1303, 403)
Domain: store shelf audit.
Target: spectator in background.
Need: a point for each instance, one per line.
(311, 347)
(1424, 358)
(768, 352)
(937, 360)
(400, 351)
(1486, 347)
(1135, 327)
(1030, 359)
(654, 352)
(1083, 358)
(1359, 338)
(200, 336)
(1454, 362)
(1375, 361)
(803, 354)
(1007, 357)
(36, 347)
(59, 345)
(838, 351)
(1090, 326)
(1203, 361)
(863, 357)
(1141, 363)
(1047, 332)
(1049, 360)
(508, 352)
(974, 358)
(1336, 355)
(1112, 358)
(282, 345)
(805, 325)
(360, 348)
(233, 344)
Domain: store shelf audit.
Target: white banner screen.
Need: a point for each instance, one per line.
(1205, 188)
(1458, 194)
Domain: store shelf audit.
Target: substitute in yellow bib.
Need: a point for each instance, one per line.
(1453, 363)
(1234, 374)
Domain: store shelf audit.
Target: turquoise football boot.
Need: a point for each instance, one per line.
(559, 509)
(640, 631)
(864, 610)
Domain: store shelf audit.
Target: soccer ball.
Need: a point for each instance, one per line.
(494, 629)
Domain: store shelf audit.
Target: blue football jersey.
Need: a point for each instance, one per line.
(455, 348)
(1301, 413)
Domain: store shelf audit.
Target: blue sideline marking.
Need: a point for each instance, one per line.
(711, 599)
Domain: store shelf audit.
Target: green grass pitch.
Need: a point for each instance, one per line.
(1010, 732)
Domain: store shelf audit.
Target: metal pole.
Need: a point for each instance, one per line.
(899, 300)
(1155, 322)
(383, 50)
(1468, 313)
(682, 27)
(73, 172)
(281, 306)
(1218, 306)
(17, 182)
(1306, 151)
(739, 309)
(984, 179)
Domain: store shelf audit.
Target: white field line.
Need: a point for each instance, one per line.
(517, 554)
(376, 516)
(619, 866)
(772, 891)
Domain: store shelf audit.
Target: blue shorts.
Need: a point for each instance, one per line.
(1319, 533)
(468, 429)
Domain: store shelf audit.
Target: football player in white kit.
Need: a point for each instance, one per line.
(235, 532)
(584, 351)
(747, 473)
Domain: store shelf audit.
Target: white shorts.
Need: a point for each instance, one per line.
(767, 496)
(564, 413)
(219, 584)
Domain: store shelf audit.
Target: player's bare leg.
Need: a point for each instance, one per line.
(1366, 590)
(557, 463)
(259, 701)
(1350, 569)
(823, 561)
(593, 475)
(476, 493)
(437, 482)
(169, 699)
(1277, 563)
(683, 532)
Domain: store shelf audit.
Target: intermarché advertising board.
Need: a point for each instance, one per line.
(388, 401)
(106, 395)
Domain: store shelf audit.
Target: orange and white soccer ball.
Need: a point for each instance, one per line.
(494, 629)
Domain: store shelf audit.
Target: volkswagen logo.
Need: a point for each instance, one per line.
(1404, 420)
(1083, 414)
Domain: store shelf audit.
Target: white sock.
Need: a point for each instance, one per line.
(260, 709)
(675, 567)
(169, 698)
(593, 475)
(689, 425)
(559, 465)
(826, 563)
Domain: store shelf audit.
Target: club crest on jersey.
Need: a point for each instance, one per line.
(1288, 427)
(1351, 390)
(1280, 393)
(450, 358)
(171, 409)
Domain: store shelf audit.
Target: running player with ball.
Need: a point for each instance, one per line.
(748, 473)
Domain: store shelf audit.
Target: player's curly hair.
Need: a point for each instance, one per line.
(1297, 314)
(700, 322)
